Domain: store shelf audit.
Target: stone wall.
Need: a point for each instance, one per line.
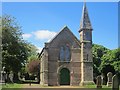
(55, 65)
(51, 63)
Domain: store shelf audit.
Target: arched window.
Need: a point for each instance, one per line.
(62, 54)
(65, 53)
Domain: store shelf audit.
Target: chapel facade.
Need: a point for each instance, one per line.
(66, 60)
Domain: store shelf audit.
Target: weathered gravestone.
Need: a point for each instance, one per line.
(115, 83)
(11, 75)
(23, 78)
(99, 82)
(109, 82)
(3, 76)
(19, 76)
(2, 79)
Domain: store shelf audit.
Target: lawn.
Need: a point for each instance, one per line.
(15, 85)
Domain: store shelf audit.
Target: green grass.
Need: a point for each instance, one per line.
(104, 87)
(15, 85)
(94, 86)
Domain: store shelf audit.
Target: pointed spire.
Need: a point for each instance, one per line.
(85, 21)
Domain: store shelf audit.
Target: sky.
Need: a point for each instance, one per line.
(59, 0)
(41, 21)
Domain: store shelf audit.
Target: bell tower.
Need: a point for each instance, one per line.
(86, 48)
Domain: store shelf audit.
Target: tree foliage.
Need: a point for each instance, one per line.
(33, 65)
(104, 58)
(112, 58)
(15, 50)
(98, 51)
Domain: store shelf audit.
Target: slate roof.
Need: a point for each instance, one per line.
(85, 21)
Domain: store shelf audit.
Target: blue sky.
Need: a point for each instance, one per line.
(41, 21)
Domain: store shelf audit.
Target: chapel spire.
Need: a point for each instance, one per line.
(85, 21)
(86, 48)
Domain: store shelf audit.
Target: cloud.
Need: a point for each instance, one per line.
(39, 49)
(44, 34)
(26, 36)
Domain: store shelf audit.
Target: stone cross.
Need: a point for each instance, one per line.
(99, 82)
(115, 83)
(109, 82)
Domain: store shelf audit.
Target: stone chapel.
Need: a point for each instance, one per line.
(66, 60)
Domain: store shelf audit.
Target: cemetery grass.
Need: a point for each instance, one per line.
(104, 87)
(15, 85)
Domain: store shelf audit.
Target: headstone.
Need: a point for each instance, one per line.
(36, 79)
(102, 78)
(2, 80)
(11, 76)
(99, 82)
(23, 78)
(115, 83)
(19, 76)
(3, 77)
(109, 82)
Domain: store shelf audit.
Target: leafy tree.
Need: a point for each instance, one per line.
(98, 51)
(14, 49)
(33, 66)
(110, 63)
(33, 50)
(112, 58)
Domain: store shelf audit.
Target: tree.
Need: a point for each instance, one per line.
(98, 51)
(110, 62)
(33, 50)
(33, 64)
(112, 58)
(14, 49)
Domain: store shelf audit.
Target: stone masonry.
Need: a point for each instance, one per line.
(65, 60)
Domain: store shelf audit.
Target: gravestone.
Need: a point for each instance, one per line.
(115, 83)
(36, 79)
(23, 78)
(19, 76)
(11, 76)
(102, 78)
(3, 76)
(99, 82)
(109, 82)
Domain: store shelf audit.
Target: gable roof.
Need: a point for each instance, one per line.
(65, 28)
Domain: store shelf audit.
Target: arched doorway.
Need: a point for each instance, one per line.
(64, 76)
